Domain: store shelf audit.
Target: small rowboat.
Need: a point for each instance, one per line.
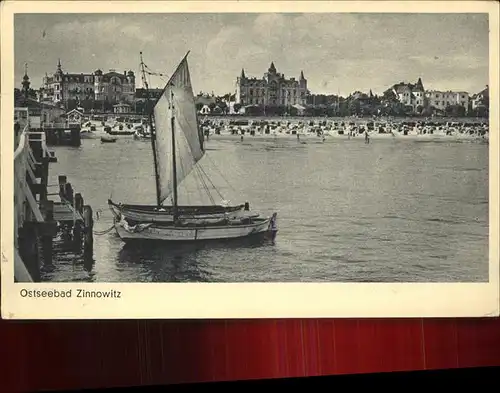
(108, 139)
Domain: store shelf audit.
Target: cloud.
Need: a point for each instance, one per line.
(458, 62)
(336, 51)
(107, 29)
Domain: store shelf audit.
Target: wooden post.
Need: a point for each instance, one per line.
(28, 250)
(36, 148)
(79, 203)
(48, 135)
(66, 229)
(79, 229)
(88, 240)
(29, 183)
(77, 237)
(44, 178)
(62, 184)
(47, 238)
(68, 193)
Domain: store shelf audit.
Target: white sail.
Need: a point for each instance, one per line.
(178, 98)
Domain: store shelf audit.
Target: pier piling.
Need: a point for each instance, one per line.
(62, 183)
(79, 203)
(48, 234)
(28, 249)
(88, 240)
(77, 237)
(68, 193)
(38, 220)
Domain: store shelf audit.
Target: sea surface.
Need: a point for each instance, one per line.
(388, 211)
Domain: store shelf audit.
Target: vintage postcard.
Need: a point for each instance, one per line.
(251, 159)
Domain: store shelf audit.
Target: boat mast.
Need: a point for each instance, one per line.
(153, 132)
(174, 161)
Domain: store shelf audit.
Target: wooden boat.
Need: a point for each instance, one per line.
(122, 132)
(202, 213)
(141, 133)
(178, 147)
(108, 139)
(192, 232)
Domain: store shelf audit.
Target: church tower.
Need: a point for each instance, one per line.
(26, 82)
(58, 87)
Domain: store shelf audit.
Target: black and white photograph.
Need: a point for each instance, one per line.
(250, 146)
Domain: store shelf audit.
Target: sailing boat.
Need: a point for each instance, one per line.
(177, 144)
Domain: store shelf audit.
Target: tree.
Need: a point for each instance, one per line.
(223, 106)
(86, 104)
(389, 96)
(17, 94)
(455, 110)
(237, 107)
(71, 104)
(428, 111)
(354, 107)
(344, 108)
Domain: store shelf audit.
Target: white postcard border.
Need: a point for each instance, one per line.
(281, 300)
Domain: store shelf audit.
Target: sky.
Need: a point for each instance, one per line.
(338, 52)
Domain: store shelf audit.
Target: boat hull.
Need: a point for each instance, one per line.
(188, 214)
(108, 139)
(171, 233)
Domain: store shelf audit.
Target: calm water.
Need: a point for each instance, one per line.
(390, 211)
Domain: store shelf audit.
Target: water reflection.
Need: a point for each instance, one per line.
(386, 211)
(184, 262)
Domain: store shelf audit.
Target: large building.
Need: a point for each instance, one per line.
(271, 90)
(443, 99)
(28, 109)
(111, 87)
(481, 99)
(410, 95)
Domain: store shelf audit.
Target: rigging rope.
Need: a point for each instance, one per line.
(152, 73)
(99, 233)
(196, 175)
(220, 173)
(197, 167)
(210, 180)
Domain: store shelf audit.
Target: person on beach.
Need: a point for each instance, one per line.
(273, 227)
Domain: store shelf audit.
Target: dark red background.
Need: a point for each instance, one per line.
(75, 354)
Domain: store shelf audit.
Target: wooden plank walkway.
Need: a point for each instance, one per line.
(64, 213)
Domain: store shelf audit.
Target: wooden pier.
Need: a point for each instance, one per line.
(38, 220)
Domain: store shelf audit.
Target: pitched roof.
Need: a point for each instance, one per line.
(22, 102)
(409, 87)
